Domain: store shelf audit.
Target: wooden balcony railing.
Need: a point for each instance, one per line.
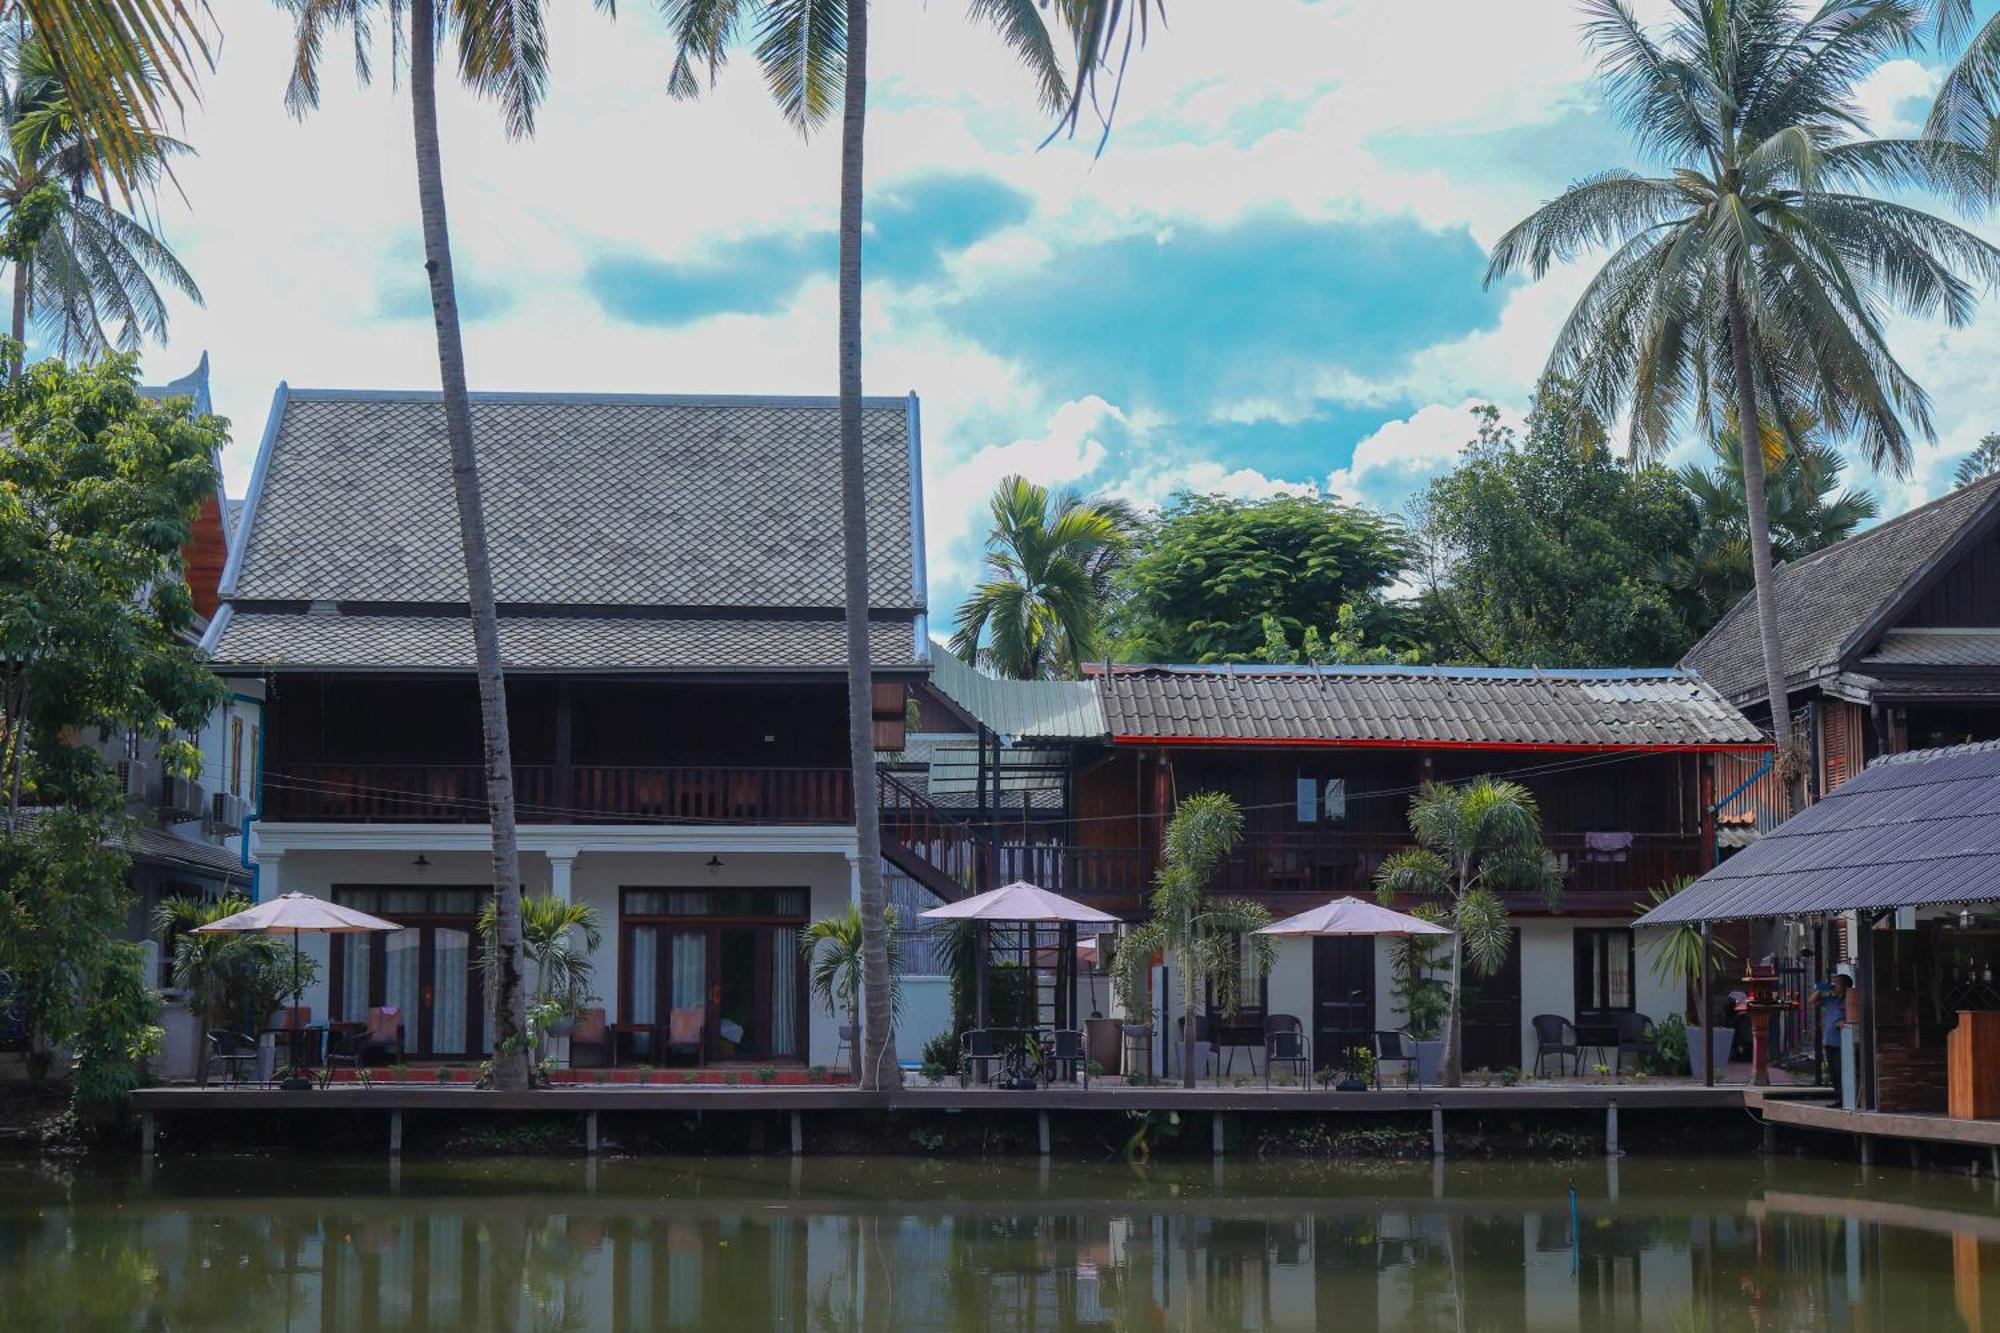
(585, 794)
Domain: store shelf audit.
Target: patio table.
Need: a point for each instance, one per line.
(1597, 1038)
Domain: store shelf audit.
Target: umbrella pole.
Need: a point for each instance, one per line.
(298, 994)
(979, 943)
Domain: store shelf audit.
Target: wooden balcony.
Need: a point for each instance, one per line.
(1292, 872)
(546, 794)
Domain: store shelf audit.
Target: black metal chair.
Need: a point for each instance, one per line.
(232, 1053)
(1066, 1051)
(1555, 1035)
(843, 1049)
(979, 1053)
(344, 1050)
(1285, 1043)
(1393, 1046)
(1631, 1029)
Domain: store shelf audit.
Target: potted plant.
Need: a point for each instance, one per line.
(832, 948)
(1677, 956)
(1421, 995)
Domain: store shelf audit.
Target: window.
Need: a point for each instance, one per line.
(1319, 800)
(235, 756)
(1603, 972)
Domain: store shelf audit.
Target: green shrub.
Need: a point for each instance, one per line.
(1665, 1048)
(767, 1074)
(120, 1029)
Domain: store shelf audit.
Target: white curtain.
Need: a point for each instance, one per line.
(452, 956)
(354, 979)
(690, 977)
(645, 975)
(784, 990)
(403, 952)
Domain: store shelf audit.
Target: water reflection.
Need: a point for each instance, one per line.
(914, 1245)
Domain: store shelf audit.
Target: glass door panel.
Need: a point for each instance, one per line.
(450, 987)
(402, 979)
(738, 1031)
(785, 991)
(643, 987)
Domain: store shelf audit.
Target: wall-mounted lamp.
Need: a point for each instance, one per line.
(1965, 918)
(714, 867)
(422, 862)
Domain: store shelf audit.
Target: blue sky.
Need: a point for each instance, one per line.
(1270, 280)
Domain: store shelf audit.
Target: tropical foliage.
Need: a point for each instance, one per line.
(1807, 507)
(120, 1028)
(559, 937)
(1474, 841)
(99, 490)
(835, 961)
(1983, 461)
(86, 269)
(1756, 272)
(233, 979)
(1210, 939)
(1208, 572)
(1050, 560)
(1540, 548)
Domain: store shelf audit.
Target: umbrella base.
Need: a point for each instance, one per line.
(297, 1084)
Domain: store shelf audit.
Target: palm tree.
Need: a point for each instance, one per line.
(835, 949)
(1983, 461)
(503, 53)
(1050, 560)
(1755, 274)
(221, 973)
(807, 49)
(1807, 511)
(80, 261)
(552, 929)
(1472, 842)
(1208, 936)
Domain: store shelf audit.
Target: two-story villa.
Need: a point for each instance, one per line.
(669, 578)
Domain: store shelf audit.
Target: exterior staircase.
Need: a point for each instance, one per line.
(926, 842)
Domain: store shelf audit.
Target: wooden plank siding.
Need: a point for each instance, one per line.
(204, 555)
(1966, 595)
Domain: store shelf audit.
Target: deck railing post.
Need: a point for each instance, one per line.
(798, 1133)
(1437, 1129)
(1042, 1131)
(590, 1132)
(1611, 1127)
(396, 1132)
(1215, 1133)
(145, 1133)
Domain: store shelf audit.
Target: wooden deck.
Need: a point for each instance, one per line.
(1880, 1124)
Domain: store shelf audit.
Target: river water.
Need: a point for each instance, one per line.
(834, 1243)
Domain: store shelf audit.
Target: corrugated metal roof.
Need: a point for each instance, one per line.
(1826, 598)
(1019, 709)
(1457, 706)
(1912, 830)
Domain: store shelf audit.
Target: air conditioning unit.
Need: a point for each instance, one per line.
(185, 800)
(226, 814)
(139, 781)
(1106, 950)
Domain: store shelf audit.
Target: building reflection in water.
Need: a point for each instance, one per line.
(1501, 1255)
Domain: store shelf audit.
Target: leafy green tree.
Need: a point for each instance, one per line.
(1983, 461)
(835, 953)
(1540, 548)
(811, 50)
(99, 490)
(502, 53)
(230, 977)
(1209, 569)
(1808, 511)
(1050, 560)
(1473, 841)
(119, 1028)
(1755, 274)
(83, 265)
(1206, 936)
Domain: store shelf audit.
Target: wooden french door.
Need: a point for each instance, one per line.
(1343, 996)
(731, 957)
(428, 971)
(1491, 1012)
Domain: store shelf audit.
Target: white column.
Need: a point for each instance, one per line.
(270, 876)
(560, 865)
(854, 877)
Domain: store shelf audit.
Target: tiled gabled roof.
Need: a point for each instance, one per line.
(719, 517)
(1915, 829)
(1420, 706)
(1825, 599)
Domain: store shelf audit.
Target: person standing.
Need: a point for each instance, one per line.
(1832, 1013)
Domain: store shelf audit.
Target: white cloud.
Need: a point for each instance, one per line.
(1400, 457)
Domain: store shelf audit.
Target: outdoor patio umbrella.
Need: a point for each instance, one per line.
(1023, 903)
(297, 913)
(1353, 916)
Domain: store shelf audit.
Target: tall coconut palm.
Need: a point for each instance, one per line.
(1754, 273)
(1473, 842)
(81, 261)
(1807, 510)
(809, 49)
(1049, 560)
(502, 53)
(1210, 938)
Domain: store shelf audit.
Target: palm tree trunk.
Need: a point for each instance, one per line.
(1448, 1071)
(17, 328)
(1759, 520)
(1190, 994)
(878, 1041)
(510, 1054)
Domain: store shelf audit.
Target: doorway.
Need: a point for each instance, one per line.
(428, 971)
(723, 962)
(1343, 997)
(1491, 1012)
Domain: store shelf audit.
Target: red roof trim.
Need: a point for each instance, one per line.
(1723, 747)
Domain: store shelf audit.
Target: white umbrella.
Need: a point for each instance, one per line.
(1020, 901)
(1353, 916)
(298, 914)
